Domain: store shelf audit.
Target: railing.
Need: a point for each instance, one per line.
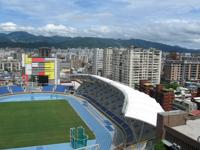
(90, 147)
(33, 87)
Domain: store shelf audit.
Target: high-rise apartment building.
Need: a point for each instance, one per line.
(97, 61)
(117, 64)
(185, 69)
(107, 62)
(135, 64)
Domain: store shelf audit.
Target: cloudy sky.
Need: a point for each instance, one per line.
(175, 22)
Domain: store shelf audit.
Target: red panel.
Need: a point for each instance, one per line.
(41, 73)
(38, 60)
(25, 77)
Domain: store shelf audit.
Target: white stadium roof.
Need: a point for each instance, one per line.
(137, 105)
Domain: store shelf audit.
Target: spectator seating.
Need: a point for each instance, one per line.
(60, 88)
(4, 90)
(16, 89)
(48, 88)
(70, 87)
(108, 100)
(114, 117)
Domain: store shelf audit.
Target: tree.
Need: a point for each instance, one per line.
(160, 146)
(173, 85)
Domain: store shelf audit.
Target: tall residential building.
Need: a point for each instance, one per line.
(117, 64)
(97, 61)
(107, 62)
(185, 69)
(135, 64)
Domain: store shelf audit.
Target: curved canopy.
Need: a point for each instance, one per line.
(137, 105)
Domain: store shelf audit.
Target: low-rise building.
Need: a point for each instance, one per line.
(163, 96)
(178, 130)
(10, 65)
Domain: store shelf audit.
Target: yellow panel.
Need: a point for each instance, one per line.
(49, 70)
(51, 76)
(52, 66)
(50, 73)
(49, 65)
(28, 60)
(46, 65)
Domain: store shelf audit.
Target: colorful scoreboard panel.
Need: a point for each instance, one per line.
(39, 66)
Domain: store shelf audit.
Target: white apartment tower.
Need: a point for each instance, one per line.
(107, 62)
(117, 64)
(135, 64)
(97, 61)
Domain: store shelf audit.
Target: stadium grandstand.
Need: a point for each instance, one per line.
(133, 113)
(129, 116)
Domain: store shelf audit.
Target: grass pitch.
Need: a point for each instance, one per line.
(37, 123)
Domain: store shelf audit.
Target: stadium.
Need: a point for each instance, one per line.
(113, 115)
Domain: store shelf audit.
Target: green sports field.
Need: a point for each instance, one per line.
(37, 123)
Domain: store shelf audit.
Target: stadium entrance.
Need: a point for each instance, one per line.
(43, 80)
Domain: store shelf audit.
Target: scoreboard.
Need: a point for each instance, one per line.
(39, 66)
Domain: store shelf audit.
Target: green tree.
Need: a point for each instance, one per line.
(173, 85)
(159, 146)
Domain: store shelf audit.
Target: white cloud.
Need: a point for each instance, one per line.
(48, 30)
(99, 30)
(8, 26)
(172, 31)
(52, 29)
(196, 40)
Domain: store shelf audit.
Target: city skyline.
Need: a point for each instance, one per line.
(173, 22)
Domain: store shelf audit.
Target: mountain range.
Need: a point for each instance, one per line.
(27, 40)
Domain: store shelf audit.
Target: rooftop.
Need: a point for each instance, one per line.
(195, 113)
(137, 105)
(197, 99)
(190, 129)
(173, 112)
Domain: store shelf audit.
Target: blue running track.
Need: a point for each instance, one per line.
(103, 137)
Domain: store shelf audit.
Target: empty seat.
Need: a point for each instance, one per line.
(48, 88)
(70, 87)
(117, 119)
(107, 99)
(4, 90)
(16, 89)
(60, 88)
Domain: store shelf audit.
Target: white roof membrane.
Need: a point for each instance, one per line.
(137, 105)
